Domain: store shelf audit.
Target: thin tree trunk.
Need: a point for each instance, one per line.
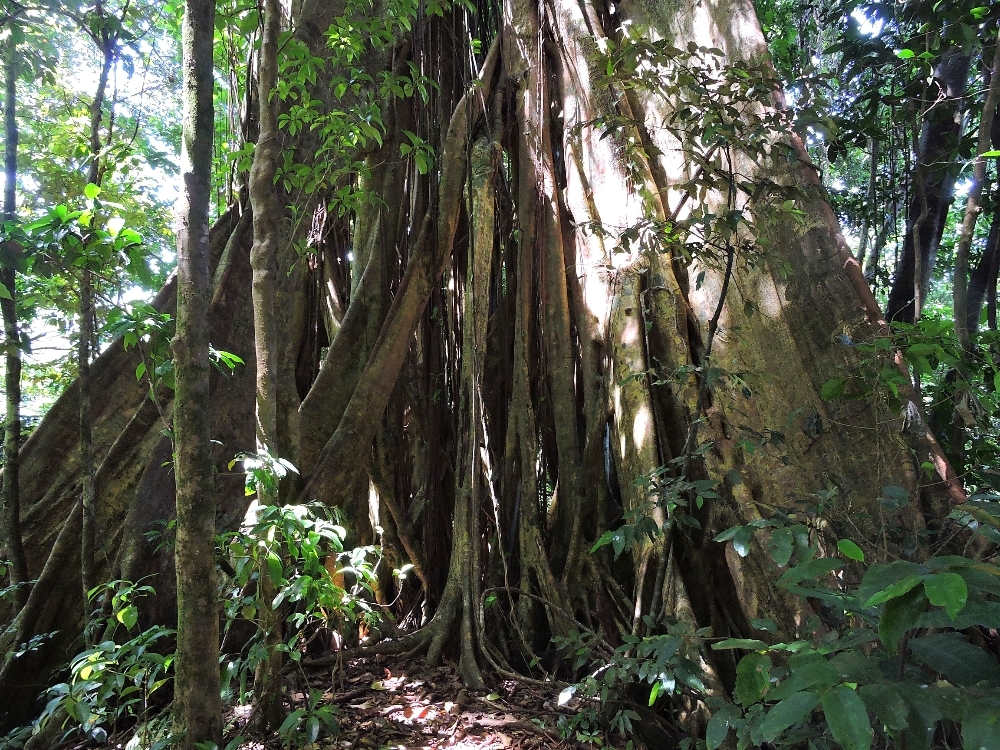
(88, 574)
(10, 502)
(934, 182)
(197, 697)
(983, 282)
(960, 285)
(263, 260)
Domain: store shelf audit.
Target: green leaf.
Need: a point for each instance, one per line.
(947, 590)
(128, 616)
(955, 658)
(810, 570)
(741, 541)
(809, 671)
(879, 576)
(748, 644)
(905, 54)
(832, 389)
(4, 292)
(850, 549)
(886, 704)
(895, 590)
(312, 729)
(753, 676)
(924, 715)
(274, 568)
(780, 546)
(847, 718)
(900, 614)
(719, 725)
(981, 726)
(894, 497)
(787, 713)
(91, 191)
(990, 154)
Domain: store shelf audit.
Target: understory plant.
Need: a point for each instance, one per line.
(117, 681)
(893, 654)
(323, 593)
(905, 658)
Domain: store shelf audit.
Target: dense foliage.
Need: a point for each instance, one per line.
(413, 347)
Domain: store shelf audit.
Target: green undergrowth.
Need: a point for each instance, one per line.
(892, 654)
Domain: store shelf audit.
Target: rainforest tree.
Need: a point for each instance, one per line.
(529, 284)
(199, 712)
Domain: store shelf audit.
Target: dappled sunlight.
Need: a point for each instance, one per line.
(641, 427)
(769, 298)
(412, 706)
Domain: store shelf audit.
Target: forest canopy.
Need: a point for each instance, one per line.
(644, 352)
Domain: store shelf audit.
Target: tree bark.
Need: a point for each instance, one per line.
(934, 176)
(973, 208)
(198, 705)
(10, 501)
(267, 216)
(529, 337)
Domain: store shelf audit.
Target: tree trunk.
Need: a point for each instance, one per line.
(264, 262)
(934, 178)
(528, 351)
(198, 709)
(10, 501)
(108, 45)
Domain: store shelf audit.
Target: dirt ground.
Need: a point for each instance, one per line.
(384, 704)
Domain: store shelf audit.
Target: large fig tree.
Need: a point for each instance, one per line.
(548, 274)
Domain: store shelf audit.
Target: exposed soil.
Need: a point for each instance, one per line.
(387, 704)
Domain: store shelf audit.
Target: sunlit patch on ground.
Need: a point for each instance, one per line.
(411, 706)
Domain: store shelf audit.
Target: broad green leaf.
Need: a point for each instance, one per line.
(724, 536)
(886, 704)
(748, 644)
(895, 590)
(981, 726)
(923, 717)
(894, 497)
(956, 658)
(832, 389)
(780, 546)
(947, 590)
(810, 570)
(787, 713)
(850, 549)
(900, 614)
(128, 616)
(905, 54)
(292, 720)
(4, 292)
(753, 676)
(91, 191)
(312, 729)
(274, 568)
(741, 541)
(880, 576)
(847, 718)
(806, 672)
(719, 724)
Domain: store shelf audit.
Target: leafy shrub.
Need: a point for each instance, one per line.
(906, 664)
(113, 683)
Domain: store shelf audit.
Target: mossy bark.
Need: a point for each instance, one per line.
(197, 704)
(508, 372)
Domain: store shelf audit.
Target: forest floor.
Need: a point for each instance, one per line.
(387, 704)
